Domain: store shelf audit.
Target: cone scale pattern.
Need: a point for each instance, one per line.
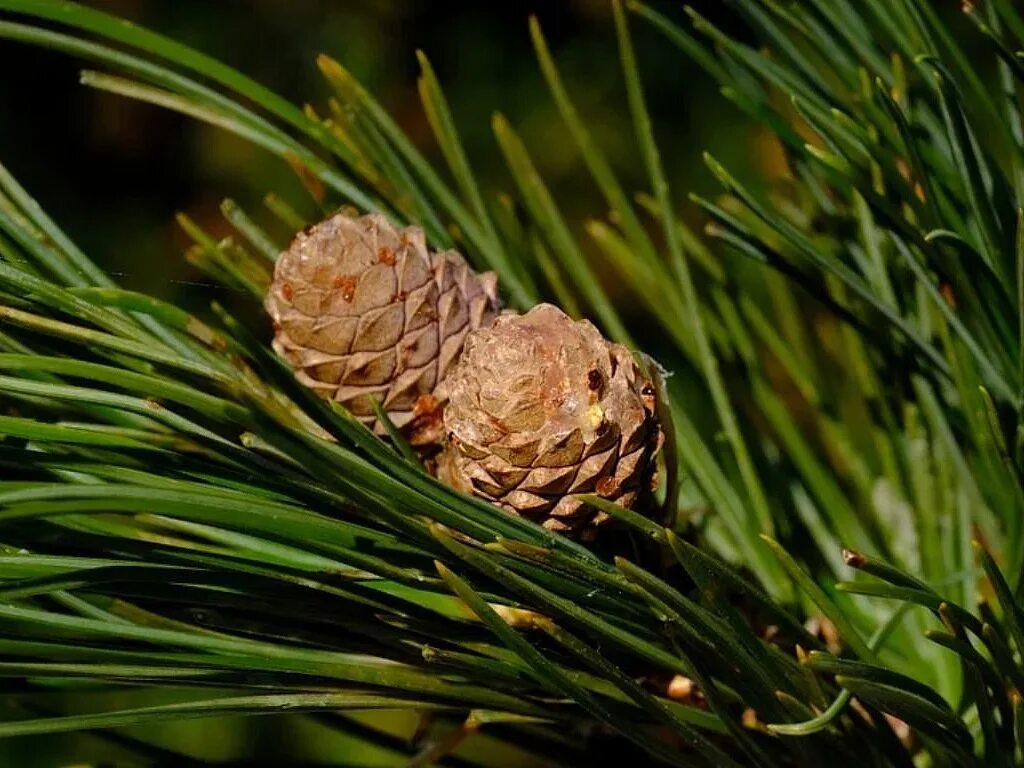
(362, 309)
(542, 409)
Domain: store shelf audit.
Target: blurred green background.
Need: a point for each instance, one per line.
(113, 173)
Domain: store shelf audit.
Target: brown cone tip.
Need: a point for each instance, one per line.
(543, 409)
(362, 310)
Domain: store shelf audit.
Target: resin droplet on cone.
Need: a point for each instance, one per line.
(542, 408)
(363, 309)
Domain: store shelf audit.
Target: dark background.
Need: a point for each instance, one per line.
(113, 172)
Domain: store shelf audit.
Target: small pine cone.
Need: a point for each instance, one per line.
(543, 408)
(363, 309)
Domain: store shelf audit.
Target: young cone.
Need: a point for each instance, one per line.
(362, 309)
(543, 409)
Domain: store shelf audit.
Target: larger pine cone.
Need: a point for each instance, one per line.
(542, 409)
(362, 309)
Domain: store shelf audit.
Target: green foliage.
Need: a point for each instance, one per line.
(179, 517)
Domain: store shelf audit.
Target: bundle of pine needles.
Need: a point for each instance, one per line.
(183, 523)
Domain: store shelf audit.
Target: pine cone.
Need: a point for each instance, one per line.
(363, 309)
(543, 408)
